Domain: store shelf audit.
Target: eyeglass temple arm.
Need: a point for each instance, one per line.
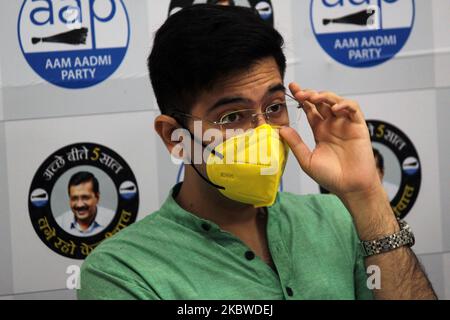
(300, 104)
(196, 139)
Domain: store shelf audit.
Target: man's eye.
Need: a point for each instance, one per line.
(274, 108)
(231, 117)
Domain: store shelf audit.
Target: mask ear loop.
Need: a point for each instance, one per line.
(207, 148)
(206, 180)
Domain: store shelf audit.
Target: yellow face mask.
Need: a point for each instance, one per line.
(248, 167)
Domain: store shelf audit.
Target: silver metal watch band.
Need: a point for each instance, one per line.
(404, 237)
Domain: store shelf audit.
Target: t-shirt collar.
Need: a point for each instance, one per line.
(172, 210)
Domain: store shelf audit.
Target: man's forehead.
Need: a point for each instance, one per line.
(84, 186)
(256, 77)
(251, 84)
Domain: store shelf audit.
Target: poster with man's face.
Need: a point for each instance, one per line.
(90, 205)
(82, 194)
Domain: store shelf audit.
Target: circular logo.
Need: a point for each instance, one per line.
(362, 33)
(398, 165)
(263, 8)
(80, 195)
(74, 44)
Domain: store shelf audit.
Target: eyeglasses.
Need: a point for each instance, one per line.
(278, 114)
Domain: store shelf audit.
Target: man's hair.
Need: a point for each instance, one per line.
(83, 177)
(202, 44)
(379, 160)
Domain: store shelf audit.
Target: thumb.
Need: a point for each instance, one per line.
(299, 148)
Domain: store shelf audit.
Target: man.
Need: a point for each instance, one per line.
(379, 163)
(86, 217)
(390, 188)
(225, 232)
(223, 2)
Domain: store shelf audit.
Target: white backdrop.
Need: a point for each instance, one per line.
(410, 91)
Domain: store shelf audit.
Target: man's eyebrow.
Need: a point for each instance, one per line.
(276, 88)
(228, 100)
(236, 99)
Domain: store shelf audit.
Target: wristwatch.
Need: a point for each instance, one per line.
(404, 237)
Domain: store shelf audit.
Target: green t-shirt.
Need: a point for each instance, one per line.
(173, 254)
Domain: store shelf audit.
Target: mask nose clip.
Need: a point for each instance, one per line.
(257, 121)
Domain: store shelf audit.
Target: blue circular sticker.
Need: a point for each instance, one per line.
(74, 43)
(362, 33)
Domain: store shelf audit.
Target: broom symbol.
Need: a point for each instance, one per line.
(74, 37)
(131, 188)
(39, 196)
(361, 18)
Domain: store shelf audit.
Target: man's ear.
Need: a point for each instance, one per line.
(167, 128)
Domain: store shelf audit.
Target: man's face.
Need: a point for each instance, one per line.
(256, 89)
(83, 201)
(223, 2)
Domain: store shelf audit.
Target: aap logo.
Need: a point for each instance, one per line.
(362, 33)
(74, 43)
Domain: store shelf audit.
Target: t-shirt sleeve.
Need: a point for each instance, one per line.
(103, 278)
(362, 292)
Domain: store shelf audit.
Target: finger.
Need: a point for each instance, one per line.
(327, 97)
(325, 110)
(312, 114)
(342, 114)
(315, 97)
(309, 96)
(294, 88)
(350, 107)
(298, 92)
(322, 101)
(300, 150)
(305, 95)
(319, 102)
